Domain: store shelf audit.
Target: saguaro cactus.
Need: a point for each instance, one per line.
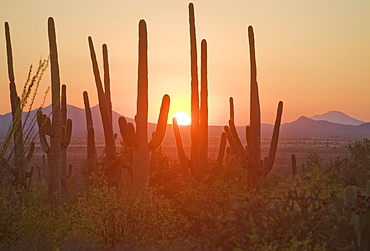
(252, 157)
(221, 150)
(139, 139)
(203, 112)
(105, 104)
(66, 171)
(184, 160)
(91, 147)
(194, 127)
(21, 160)
(199, 114)
(294, 166)
(60, 136)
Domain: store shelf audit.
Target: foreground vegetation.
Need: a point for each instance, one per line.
(314, 211)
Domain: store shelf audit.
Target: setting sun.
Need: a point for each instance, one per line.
(182, 118)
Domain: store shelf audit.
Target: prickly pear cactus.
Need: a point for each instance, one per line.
(353, 212)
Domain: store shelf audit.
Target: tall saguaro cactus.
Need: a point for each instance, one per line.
(252, 156)
(194, 127)
(60, 136)
(105, 103)
(199, 112)
(139, 139)
(21, 160)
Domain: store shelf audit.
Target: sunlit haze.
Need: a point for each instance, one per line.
(182, 118)
(314, 56)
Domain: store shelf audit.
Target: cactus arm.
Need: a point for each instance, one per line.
(161, 125)
(203, 112)
(107, 81)
(69, 173)
(9, 53)
(44, 143)
(131, 135)
(67, 134)
(255, 114)
(122, 123)
(238, 144)
(89, 121)
(49, 130)
(63, 113)
(194, 94)
(184, 160)
(91, 149)
(128, 133)
(42, 134)
(231, 140)
(232, 113)
(221, 150)
(274, 141)
(39, 118)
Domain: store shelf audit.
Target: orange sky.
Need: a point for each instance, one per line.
(313, 56)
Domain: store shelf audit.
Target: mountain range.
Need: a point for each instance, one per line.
(330, 124)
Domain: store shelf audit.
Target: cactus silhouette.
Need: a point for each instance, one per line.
(60, 136)
(184, 160)
(21, 157)
(91, 147)
(232, 112)
(138, 139)
(251, 156)
(221, 150)
(294, 166)
(199, 113)
(66, 171)
(105, 103)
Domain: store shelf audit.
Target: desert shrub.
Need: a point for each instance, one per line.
(342, 172)
(204, 201)
(358, 172)
(352, 209)
(165, 175)
(122, 217)
(29, 222)
(294, 216)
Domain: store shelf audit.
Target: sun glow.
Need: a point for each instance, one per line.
(182, 118)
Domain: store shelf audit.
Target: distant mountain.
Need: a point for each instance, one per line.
(303, 127)
(337, 117)
(306, 127)
(76, 114)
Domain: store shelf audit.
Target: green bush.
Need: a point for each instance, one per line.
(29, 222)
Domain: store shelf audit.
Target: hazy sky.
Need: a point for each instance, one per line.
(313, 55)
